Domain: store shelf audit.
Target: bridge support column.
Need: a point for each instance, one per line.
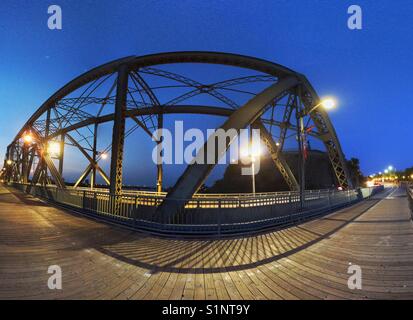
(159, 166)
(118, 138)
(25, 163)
(95, 140)
(44, 151)
(61, 154)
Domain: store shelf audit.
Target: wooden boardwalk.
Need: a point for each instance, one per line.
(309, 261)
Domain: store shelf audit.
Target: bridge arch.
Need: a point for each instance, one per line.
(63, 113)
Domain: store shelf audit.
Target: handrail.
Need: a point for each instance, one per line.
(205, 215)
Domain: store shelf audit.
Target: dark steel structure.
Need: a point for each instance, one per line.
(121, 90)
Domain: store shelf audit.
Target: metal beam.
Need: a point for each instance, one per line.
(195, 174)
(92, 162)
(118, 137)
(25, 163)
(46, 162)
(277, 156)
(324, 126)
(83, 176)
(94, 154)
(159, 167)
(62, 154)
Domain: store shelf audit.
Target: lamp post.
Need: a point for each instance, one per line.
(252, 158)
(252, 152)
(327, 104)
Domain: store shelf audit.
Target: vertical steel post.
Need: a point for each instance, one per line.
(159, 165)
(30, 161)
(118, 138)
(25, 162)
(250, 153)
(301, 164)
(61, 154)
(95, 140)
(302, 141)
(45, 151)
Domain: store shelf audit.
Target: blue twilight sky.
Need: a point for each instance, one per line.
(369, 71)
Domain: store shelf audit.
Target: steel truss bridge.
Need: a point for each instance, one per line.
(145, 90)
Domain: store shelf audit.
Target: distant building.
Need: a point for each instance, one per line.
(319, 175)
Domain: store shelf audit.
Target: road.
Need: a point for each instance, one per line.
(307, 261)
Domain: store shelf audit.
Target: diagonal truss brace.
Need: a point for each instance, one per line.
(42, 153)
(92, 163)
(196, 173)
(276, 156)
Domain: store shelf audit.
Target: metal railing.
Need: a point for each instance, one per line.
(205, 213)
(409, 190)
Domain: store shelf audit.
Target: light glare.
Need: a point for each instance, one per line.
(328, 103)
(53, 148)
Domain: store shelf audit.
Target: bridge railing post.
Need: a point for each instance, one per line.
(135, 210)
(219, 218)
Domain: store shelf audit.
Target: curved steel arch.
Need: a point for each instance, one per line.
(134, 62)
(288, 82)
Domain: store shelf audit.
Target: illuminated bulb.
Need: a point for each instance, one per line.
(53, 148)
(28, 138)
(328, 103)
(104, 155)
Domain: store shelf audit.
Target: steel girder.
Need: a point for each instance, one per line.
(136, 63)
(118, 136)
(328, 134)
(196, 173)
(276, 155)
(146, 63)
(93, 165)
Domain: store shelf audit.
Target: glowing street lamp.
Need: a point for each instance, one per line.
(28, 138)
(104, 155)
(327, 104)
(252, 153)
(9, 162)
